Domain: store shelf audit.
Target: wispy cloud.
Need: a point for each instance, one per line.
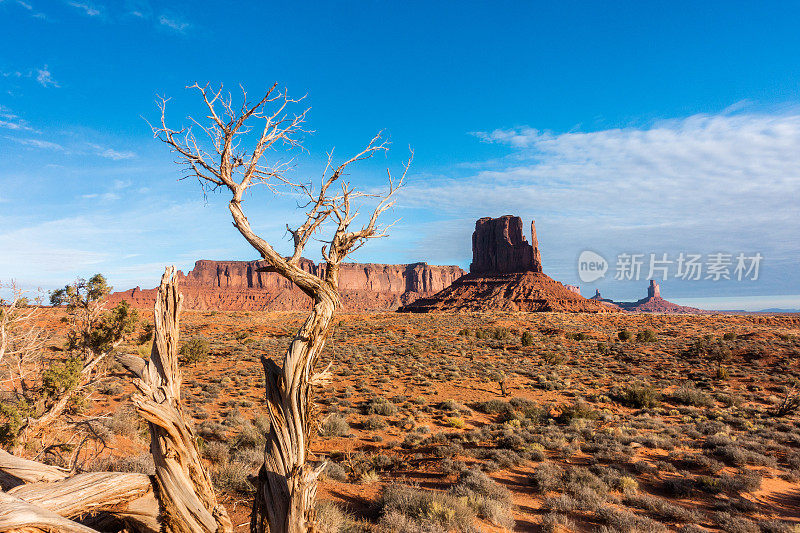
(87, 9)
(38, 143)
(18, 125)
(45, 78)
(42, 75)
(10, 121)
(110, 153)
(104, 197)
(174, 23)
(139, 9)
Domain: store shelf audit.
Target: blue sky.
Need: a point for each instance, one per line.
(658, 127)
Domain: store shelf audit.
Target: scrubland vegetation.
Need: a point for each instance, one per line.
(528, 422)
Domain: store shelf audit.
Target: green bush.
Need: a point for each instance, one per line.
(61, 377)
(646, 335)
(528, 338)
(194, 351)
(624, 335)
(12, 417)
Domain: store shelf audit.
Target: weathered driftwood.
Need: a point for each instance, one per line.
(127, 496)
(19, 516)
(184, 488)
(16, 471)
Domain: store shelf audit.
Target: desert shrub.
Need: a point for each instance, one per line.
(735, 524)
(12, 420)
(329, 517)
(454, 422)
(216, 452)
(639, 395)
(743, 481)
(561, 503)
(547, 477)
(729, 336)
(554, 522)
(490, 500)
(602, 348)
(554, 358)
(335, 426)
(62, 376)
(194, 351)
(140, 464)
(410, 509)
(374, 422)
(125, 422)
(528, 338)
(579, 409)
(663, 509)
(688, 395)
(679, 487)
(626, 521)
(335, 471)
(247, 434)
(381, 406)
(232, 476)
(624, 335)
(777, 526)
(646, 335)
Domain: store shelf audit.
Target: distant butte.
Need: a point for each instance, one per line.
(505, 274)
(653, 303)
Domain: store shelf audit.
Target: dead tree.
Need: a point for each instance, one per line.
(19, 336)
(287, 480)
(40, 497)
(185, 491)
(180, 499)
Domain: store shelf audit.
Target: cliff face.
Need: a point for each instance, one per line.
(240, 285)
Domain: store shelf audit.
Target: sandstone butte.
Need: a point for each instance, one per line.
(244, 286)
(653, 303)
(506, 274)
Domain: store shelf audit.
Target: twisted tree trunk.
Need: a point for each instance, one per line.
(184, 489)
(287, 482)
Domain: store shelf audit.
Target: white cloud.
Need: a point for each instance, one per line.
(86, 8)
(173, 23)
(104, 197)
(45, 78)
(707, 182)
(110, 153)
(38, 143)
(25, 5)
(17, 125)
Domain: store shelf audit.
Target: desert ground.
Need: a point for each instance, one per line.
(494, 422)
